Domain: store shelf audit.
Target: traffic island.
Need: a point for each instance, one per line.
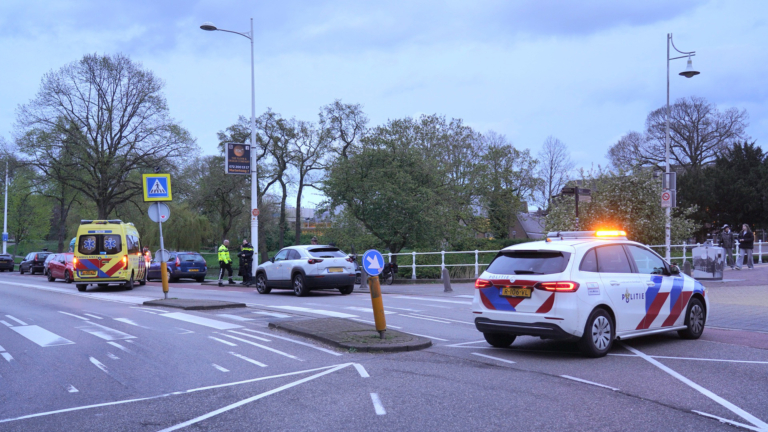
(352, 335)
(193, 304)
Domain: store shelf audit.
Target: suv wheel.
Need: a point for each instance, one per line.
(499, 340)
(695, 318)
(347, 289)
(598, 334)
(299, 288)
(261, 284)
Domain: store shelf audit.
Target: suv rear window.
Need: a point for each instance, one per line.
(327, 252)
(529, 262)
(191, 257)
(41, 255)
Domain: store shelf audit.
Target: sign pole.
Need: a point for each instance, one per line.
(163, 269)
(373, 263)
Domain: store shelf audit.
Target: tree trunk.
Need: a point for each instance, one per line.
(298, 212)
(281, 227)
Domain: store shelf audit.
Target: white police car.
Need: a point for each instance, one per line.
(590, 286)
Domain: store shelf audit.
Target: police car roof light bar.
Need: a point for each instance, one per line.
(563, 235)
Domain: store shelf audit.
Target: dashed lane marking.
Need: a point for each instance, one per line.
(131, 322)
(316, 311)
(249, 360)
(494, 358)
(250, 336)
(118, 346)
(589, 382)
(7, 356)
(112, 356)
(295, 341)
(377, 406)
(99, 365)
(465, 343)
(16, 319)
(207, 322)
(72, 389)
(235, 317)
(222, 341)
(73, 315)
(223, 369)
(93, 316)
(104, 332)
(41, 336)
(428, 337)
(361, 370)
(263, 347)
(6, 323)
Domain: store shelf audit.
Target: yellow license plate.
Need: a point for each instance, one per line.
(194, 270)
(516, 292)
(335, 270)
(88, 273)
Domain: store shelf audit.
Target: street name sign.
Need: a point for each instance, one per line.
(157, 187)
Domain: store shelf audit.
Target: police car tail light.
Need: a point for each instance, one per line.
(314, 261)
(482, 283)
(561, 286)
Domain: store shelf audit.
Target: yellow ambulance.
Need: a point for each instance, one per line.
(108, 252)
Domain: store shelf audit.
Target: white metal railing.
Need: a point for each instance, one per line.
(686, 246)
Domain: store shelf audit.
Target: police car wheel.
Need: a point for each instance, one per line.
(81, 287)
(261, 284)
(695, 318)
(499, 340)
(598, 334)
(298, 285)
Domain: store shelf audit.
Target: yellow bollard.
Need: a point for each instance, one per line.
(164, 277)
(378, 305)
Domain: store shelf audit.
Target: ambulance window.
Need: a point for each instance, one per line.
(132, 243)
(87, 245)
(589, 262)
(112, 244)
(612, 259)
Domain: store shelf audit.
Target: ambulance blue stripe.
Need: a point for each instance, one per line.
(92, 266)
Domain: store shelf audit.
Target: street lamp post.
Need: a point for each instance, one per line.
(689, 72)
(5, 211)
(254, 170)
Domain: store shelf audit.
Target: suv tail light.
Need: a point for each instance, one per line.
(482, 283)
(560, 286)
(314, 261)
(178, 262)
(349, 259)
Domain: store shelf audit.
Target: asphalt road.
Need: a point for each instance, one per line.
(102, 361)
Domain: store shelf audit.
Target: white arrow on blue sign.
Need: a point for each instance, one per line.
(373, 262)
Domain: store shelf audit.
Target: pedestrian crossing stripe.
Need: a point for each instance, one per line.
(157, 187)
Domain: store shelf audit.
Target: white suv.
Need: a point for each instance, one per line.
(589, 286)
(304, 268)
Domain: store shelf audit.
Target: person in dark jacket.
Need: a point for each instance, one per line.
(726, 242)
(246, 258)
(746, 244)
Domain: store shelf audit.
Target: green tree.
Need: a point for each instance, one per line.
(29, 214)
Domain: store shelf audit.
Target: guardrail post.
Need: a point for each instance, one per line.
(413, 275)
(477, 267)
(759, 251)
(390, 256)
(684, 260)
(442, 260)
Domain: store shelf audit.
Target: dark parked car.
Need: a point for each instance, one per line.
(61, 267)
(33, 262)
(190, 265)
(6, 262)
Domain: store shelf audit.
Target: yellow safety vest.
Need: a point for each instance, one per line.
(224, 255)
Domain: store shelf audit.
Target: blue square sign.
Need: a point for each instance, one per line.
(157, 187)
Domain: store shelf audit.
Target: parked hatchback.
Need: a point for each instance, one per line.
(181, 265)
(60, 267)
(47, 262)
(34, 262)
(6, 262)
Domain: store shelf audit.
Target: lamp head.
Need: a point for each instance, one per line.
(689, 72)
(208, 26)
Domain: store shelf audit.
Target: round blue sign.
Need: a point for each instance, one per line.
(373, 262)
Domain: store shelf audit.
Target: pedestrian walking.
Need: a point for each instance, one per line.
(746, 244)
(314, 240)
(727, 242)
(225, 262)
(246, 258)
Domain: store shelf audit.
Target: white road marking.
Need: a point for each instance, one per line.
(264, 347)
(222, 341)
(493, 358)
(72, 389)
(184, 330)
(444, 319)
(249, 360)
(405, 309)
(1, 348)
(41, 336)
(118, 346)
(465, 343)
(730, 422)
(361, 370)
(7, 356)
(733, 408)
(250, 336)
(112, 356)
(6, 323)
(194, 319)
(93, 316)
(73, 315)
(111, 297)
(589, 382)
(99, 365)
(428, 337)
(104, 332)
(371, 322)
(368, 310)
(131, 322)
(295, 341)
(693, 358)
(434, 300)
(425, 319)
(194, 390)
(17, 320)
(235, 317)
(316, 311)
(377, 404)
(465, 296)
(150, 310)
(252, 398)
(223, 369)
(273, 314)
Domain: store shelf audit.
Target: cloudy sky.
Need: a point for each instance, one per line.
(583, 71)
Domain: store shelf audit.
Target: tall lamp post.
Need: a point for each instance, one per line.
(254, 171)
(669, 184)
(5, 210)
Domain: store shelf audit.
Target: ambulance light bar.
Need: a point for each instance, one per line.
(569, 235)
(100, 222)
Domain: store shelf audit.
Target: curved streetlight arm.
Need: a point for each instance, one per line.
(243, 34)
(687, 54)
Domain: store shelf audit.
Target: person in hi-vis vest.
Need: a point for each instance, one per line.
(225, 263)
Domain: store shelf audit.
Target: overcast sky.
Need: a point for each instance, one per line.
(583, 71)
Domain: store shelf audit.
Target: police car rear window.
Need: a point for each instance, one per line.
(529, 262)
(326, 252)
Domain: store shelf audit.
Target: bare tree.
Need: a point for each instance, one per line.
(624, 154)
(307, 154)
(104, 118)
(555, 166)
(345, 125)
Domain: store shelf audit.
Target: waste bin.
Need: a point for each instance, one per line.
(708, 262)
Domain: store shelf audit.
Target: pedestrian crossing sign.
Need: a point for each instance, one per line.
(157, 187)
